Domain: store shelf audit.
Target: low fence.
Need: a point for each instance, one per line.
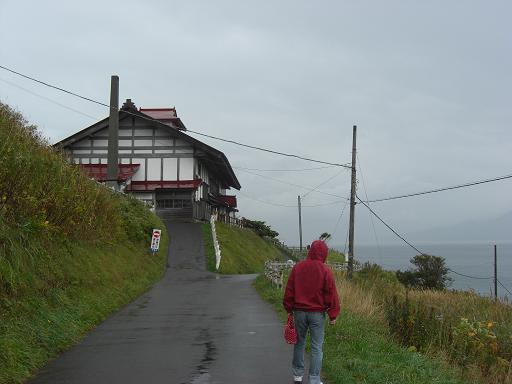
(274, 271)
(230, 220)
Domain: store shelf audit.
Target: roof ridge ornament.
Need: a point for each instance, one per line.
(129, 106)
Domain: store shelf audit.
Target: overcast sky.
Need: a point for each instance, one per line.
(427, 83)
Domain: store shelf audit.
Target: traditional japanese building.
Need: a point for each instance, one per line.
(159, 163)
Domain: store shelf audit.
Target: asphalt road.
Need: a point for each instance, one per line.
(192, 327)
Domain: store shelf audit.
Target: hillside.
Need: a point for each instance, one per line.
(243, 251)
(71, 250)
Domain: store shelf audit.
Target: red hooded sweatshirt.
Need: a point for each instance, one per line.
(311, 286)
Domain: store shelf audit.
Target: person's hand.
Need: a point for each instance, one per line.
(332, 322)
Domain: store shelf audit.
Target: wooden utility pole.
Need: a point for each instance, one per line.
(495, 273)
(300, 225)
(350, 268)
(113, 135)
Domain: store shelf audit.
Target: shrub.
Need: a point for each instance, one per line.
(261, 229)
(431, 273)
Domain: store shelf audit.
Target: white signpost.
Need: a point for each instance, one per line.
(155, 240)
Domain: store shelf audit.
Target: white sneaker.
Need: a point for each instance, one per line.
(297, 379)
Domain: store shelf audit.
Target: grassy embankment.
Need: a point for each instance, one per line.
(242, 250)
(71, 251)
(461, 337)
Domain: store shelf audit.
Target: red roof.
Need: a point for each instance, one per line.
(160, 113)
(98, 172)
(152, 185)
(230, 201)
(166, 116)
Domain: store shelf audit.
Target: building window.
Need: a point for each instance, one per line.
(173, 203)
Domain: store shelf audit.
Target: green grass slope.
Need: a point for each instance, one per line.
(71, 251)
(242, 251)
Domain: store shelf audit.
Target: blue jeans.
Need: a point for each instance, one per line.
(315, 322)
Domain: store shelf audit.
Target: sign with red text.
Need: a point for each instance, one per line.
(155, 240)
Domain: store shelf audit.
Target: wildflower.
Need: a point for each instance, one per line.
(490, 324)
(471, 334)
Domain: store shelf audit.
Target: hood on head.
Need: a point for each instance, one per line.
(318, 251)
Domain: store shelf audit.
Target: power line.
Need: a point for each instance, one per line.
(270, 150)
(48, 99)
(289, 205)
(191, 131)
(340, 216)
(293, 184)
(371, 216)
(505, 288)
(389, 227)
(284, 170)
(470, 277)
(442, 189)
(322, 183)
(54, 87)
(412, 246)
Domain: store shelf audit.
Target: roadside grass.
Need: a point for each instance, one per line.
(335, 256)
(209, 249)
(71, 251)
(471, 332)
(95, 283)
(359, 349)
(243, 251)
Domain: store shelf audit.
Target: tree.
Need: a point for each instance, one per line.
(261, 229)
(431, 272)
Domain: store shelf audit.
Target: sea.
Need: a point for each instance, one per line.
(475, 260)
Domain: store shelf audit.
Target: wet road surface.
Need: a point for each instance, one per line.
(193, 327)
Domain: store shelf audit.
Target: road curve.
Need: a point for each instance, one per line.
(192, 327)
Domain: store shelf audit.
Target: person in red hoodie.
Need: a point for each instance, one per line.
(310, 294)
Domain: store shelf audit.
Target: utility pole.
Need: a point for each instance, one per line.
(350, 268)
(300, 224)
(113, 135)
(495, 273)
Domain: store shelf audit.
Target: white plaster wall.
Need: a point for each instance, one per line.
(100, 143)
(143, 143)
(154, 169)
(140, 174)
(143, 132)
(170, 169)
(186, 168)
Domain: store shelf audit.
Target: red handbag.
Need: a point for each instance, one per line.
(290, 334)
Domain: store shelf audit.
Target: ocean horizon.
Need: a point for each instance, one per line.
(475, 259)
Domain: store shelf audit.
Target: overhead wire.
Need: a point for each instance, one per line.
(290, 205)
(322, 183)
(411, 245)
(283, 170)
(54, 86)
(48, 99)
(188, 130)
(371, 216)
(269, 150)
(442, 189)
(503, 286)
(340, 216)
(293, 184)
